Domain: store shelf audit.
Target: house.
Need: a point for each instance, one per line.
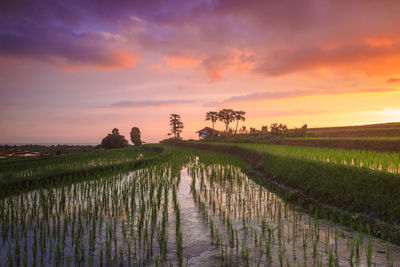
(206, 131)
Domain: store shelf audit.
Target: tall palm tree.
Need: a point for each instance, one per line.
(239, 116)
(227, 116)
(212, 116)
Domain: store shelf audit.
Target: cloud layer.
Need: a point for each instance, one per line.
(149, 103)
(268, 37)
(138, 61)
(296, 93)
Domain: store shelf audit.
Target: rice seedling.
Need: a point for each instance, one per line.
(17, 170)
(128, 218)
(375, 160)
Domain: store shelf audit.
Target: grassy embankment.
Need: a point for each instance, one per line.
(346, 190)
(22, 172)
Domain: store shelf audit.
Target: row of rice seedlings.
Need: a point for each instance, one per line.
(108, 220)
(375, 160)
(250, 223)
(124, 220)
(22, 168)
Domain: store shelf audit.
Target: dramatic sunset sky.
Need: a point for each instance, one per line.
(70, 71)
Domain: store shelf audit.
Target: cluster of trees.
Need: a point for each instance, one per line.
(277, 130)
(226, 116)
(115, 140)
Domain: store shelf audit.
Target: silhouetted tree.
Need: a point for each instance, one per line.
(282, 129)
(278, 130)
(213, 117)
(253, 130)
(304, 130)
(176, 125)
(115, 131)
(264, 129)
(239, 116)
(135, 136)
(274, 128)
(114, 140)
(226, 116)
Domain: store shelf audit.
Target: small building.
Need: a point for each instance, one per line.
(206, 131)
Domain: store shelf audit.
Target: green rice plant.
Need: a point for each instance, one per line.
(97, 220)
(380, 161)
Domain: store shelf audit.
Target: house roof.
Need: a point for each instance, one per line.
(207, 129)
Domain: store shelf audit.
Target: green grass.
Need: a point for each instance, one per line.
(267, 139)
(355, 132)
(369, 195)
(378, 138)
(380, 161)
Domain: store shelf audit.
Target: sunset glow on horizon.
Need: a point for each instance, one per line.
(72, 71)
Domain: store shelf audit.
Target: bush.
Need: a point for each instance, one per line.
(114, 140)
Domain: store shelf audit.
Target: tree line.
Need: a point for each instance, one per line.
(226, 116)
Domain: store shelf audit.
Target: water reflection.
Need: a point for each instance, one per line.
(131, 219)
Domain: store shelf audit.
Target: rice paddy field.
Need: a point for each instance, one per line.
(20, 169)
(187, 208)
(375, 160)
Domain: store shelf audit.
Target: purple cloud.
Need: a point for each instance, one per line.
(147, 103)
(281, 37)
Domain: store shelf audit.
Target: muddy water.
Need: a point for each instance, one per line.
(130, 219)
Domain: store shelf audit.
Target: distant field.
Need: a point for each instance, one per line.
(379, 138)
(14, 170)
(380, 161)
(369, 143)
(365, 126)
(372, 130)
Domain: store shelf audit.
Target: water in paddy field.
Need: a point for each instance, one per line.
(179, 213)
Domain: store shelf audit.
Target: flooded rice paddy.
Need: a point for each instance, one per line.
(181, 213)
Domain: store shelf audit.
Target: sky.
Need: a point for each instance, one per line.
(71, 71)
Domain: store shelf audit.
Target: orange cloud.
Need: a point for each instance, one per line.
(268, 95)
(359, 58)
(115, 60)
(393, 80)
(181, 61)
(376, 42)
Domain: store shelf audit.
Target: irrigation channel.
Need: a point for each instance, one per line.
(196, 209)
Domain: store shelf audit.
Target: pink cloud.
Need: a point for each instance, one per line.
(181, 61)
(259, 96)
